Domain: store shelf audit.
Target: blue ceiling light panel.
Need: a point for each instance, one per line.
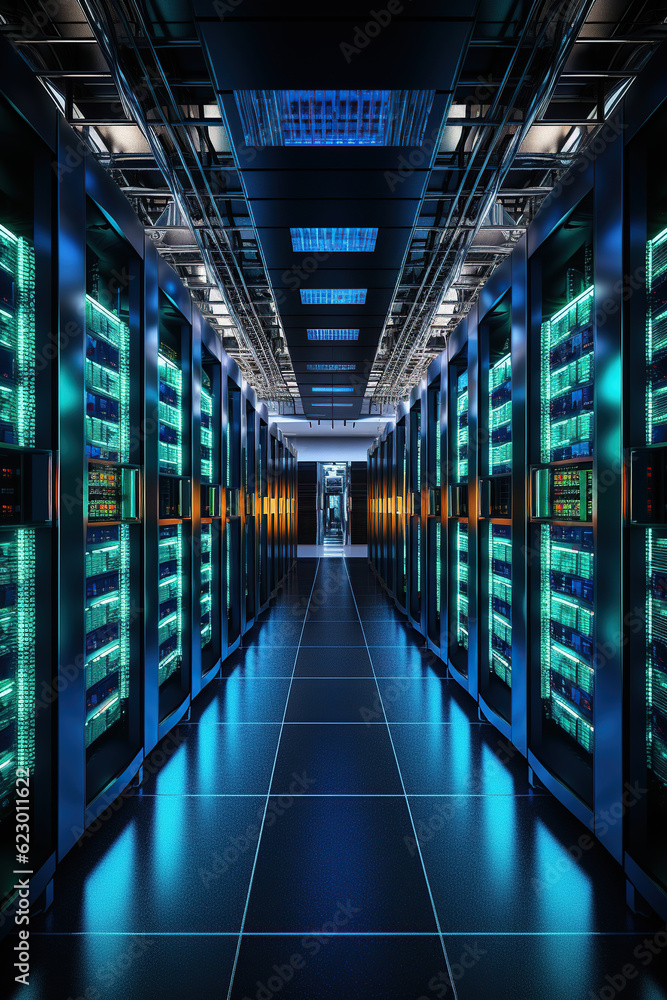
(331, 404)
(326, 334)
(332, 388)
(331, 368)
(336, 240)
(334, 117)
(333, 296)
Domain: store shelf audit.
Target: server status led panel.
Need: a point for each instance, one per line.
(107, 607)
(656, 339)
(567, 557)
(170, 613)
(656, 541)
(500, 536)
(17, 340)
(17, 658)
(107, 624)
(206, 446)
(462, 426)
(462, 584)
(170, 412)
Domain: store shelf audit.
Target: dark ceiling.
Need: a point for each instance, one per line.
(515, 100)
(328, 186)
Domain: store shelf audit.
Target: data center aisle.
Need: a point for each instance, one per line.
(335, 821)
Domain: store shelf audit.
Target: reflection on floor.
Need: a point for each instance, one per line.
(331, 548)
(335, 822)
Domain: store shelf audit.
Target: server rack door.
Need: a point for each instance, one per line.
(174, 527)
(233, 548)
(113, 543)
(495, 614)
(281, 511)
(646, 523)
(382, 510)
(211, 534)
(563, 537)
(457, 527)
(400, 573)
(390, 514)
(250, 534)
(263, 500)
(434, 546)
(414, 520)
(27, 536)
(372, 528)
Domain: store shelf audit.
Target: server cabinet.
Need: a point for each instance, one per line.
(263, 502)
(233, 518)
(280, 509)
(250, 504)
(373, 506)
(293, 510)
(575, 282)
(113, 556)
(501, 521)
(414, 516)
(496, 613)
(177, 611)
(401, 465)
(646, 516)
(27, 537)
(433, 506)
(390, 512)
(210, 508)
(561, 505)
(461, 511)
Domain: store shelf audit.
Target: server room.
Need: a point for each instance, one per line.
(333, 500)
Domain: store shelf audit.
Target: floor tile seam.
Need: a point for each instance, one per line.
(268, 794)
(407, 803)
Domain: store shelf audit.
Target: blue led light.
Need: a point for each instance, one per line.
(332, 388)
(332, 404)
(334, 117)
(331, 368)
(333, 296)
(322, 334)
(334, 240)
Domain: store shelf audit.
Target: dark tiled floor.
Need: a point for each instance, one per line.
(335, 821)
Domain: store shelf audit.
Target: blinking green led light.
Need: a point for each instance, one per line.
(170, 413)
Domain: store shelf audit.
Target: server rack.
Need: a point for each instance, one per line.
(177, 528)
(646, 514)
(112, 505)
(250, 506)
(562, 532)
(461, 373)
(416, 463)
(373, 507)
(501, 521)
(210, 548)
(401, 466)
(100, 520)
(389, 506)
(233, 508)
(434, 543)
(575, 281)
(28, 553)
(263, 502)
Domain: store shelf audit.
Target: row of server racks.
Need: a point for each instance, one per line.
(518, 505)
(148, 506)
